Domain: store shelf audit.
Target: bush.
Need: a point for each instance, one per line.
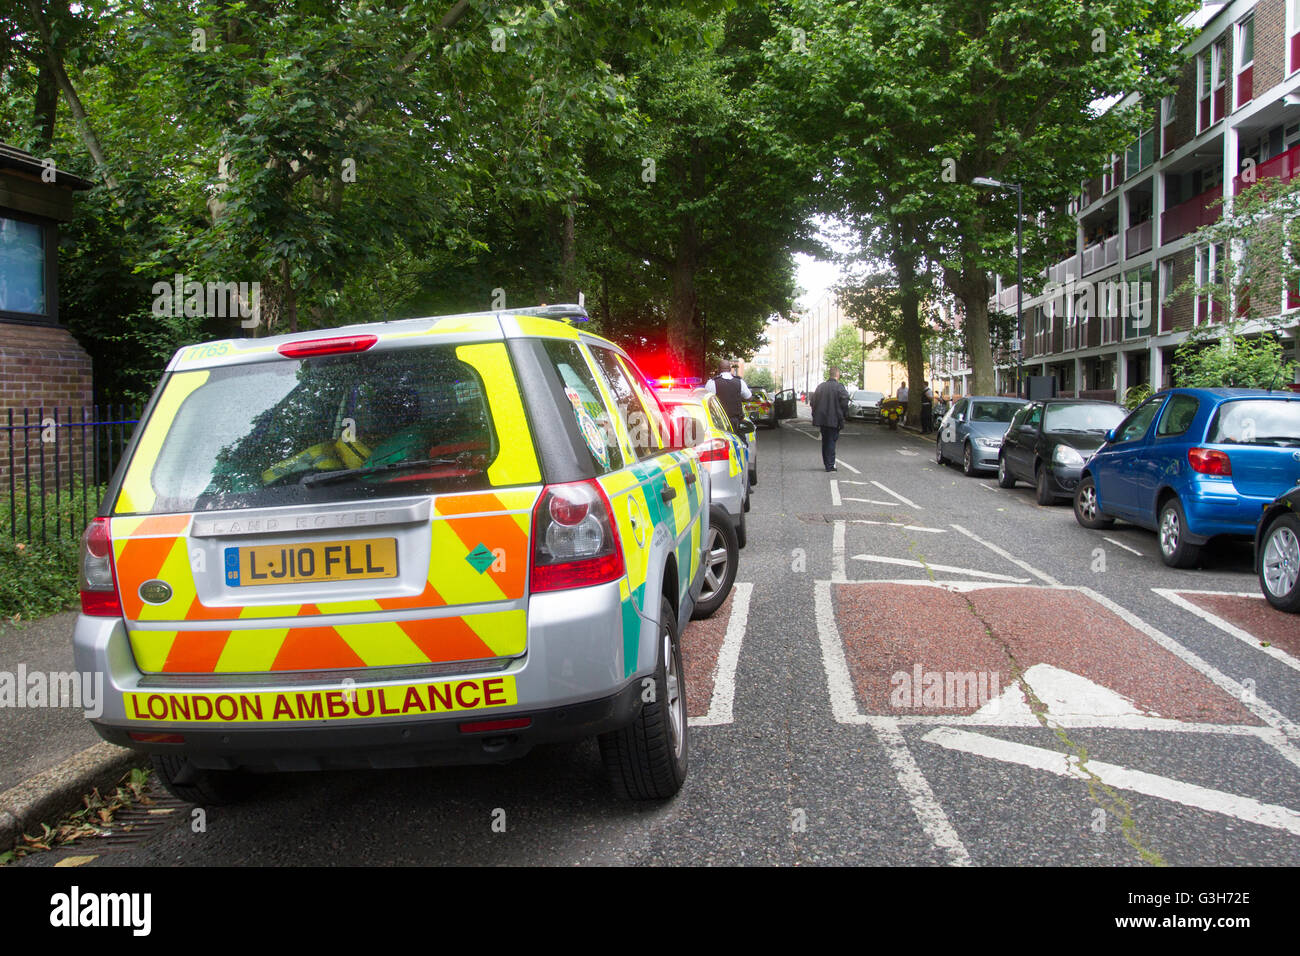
(1231, 361)
(36, 580)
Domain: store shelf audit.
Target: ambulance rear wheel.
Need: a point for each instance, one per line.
(184, 781)
(721, 558)
(647, 759)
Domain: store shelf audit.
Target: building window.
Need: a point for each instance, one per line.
(1209, 271)
(1293, 31)
(1140, 153)
(22, 267)
(1166, 283)
(1168, 105)
(1246, 42)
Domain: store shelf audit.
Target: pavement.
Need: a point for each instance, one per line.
(914, 668)
(49, 755)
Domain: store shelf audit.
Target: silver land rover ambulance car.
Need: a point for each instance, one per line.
(437, 540)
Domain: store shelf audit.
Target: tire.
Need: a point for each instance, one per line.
(215, 788)
(740, 528)
(1043, 492)
(968, 461)
(938, 454)
(1171, 532)
(720, 562)
(647, 759)
(753, 475)
(1279, 563)
(745, 505)
(1087, 510)
(1005, 478)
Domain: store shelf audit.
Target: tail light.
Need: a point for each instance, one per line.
(335, 345)
(1209, 461)
(98, 585)
(715, 449)
(574, 541)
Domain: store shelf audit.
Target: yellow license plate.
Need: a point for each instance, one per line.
(309, 563)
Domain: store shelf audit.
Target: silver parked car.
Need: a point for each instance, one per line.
(865, 405)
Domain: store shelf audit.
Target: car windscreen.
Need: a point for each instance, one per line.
(1001, 412)
(375, 424)
(1257, 422)
(1082, 418)
(867, 398)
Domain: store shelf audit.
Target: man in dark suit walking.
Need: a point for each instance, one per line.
(830, 406)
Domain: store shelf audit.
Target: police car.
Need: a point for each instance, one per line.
(438, 540)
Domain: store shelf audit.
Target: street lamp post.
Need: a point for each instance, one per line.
(1020, 284)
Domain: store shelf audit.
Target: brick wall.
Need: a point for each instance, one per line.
(41, 367)
(1270, 44)
(1183, 128)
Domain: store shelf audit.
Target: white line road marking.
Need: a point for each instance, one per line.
(837, 552)
(1041, 575)
(724, 675)
(929, 813)
(980, 484)
(850, 481)
(895, 494)
(1226, 626)
(794, 428)
(1121, 544)
(895, 524)
(907, 452)
(1288, 731)
(873, 501)
(908, 563)
(1067, 765)
(844, 706)
(835, 494)
(845, 464)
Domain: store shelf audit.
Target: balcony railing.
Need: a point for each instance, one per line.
(1284, 166)
(1063, 270)
(1191, 214)
(1138, 238)
(1100, 255)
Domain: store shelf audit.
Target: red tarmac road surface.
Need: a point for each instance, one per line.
(701, 645)
(887, 628)
(1253, 615)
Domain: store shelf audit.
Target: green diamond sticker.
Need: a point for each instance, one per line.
(480, 558)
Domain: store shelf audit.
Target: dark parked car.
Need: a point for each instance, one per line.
(1049, 442)
(973, 429)
(1277, 552)
(1193, 463)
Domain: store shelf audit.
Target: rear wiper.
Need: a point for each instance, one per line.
(326, 477)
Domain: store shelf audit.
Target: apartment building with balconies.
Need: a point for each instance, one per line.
(1102, 318)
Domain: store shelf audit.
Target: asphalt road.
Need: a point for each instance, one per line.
(917, 668)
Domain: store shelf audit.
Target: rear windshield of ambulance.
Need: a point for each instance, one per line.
(330, 428)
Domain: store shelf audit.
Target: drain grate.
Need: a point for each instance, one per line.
(135, 825)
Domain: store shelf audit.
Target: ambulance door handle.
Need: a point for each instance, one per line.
(668, 494)
(689, 477)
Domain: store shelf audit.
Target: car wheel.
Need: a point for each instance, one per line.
(1043, 491)
(1087, 508)
(1005, 478)
(740, 528)
(215, 788)
(753, 475)
(748, 496)
(938, 454)
(720, 561)
(646, 760)
(1279, 564)
(968, 460)
(1175, 550)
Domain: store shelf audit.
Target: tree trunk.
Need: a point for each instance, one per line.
(904, 256)
(972, 288)
(686, 356)
(55, 62)
(46, 104)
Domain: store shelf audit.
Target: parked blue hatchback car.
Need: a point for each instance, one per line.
(1194, 463)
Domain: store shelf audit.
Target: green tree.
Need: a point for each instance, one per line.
(845, 352)
(760, 378)
(1221, 356)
